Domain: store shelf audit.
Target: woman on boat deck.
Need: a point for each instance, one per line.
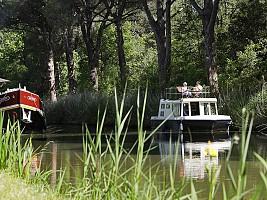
(198, 90)
(184, 90)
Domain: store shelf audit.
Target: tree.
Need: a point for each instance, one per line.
(208, 16)
(117, 9)
(68, 40)
(243, 49)
(29, 14)
(11, 56)
(93, 20)
(187, 46)
(161, 27)
(68, 20)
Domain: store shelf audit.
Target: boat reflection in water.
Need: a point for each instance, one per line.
(193, 157)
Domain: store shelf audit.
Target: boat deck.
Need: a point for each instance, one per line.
(172, 93)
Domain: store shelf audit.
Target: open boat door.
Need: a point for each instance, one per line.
(4, 80)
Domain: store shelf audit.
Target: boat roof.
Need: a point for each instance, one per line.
(187, 100)
(210, 99)
(4, 80)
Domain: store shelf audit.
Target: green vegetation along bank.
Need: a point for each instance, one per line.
(83, 108)
(102, 176)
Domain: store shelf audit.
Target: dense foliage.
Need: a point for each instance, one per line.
(79, 45)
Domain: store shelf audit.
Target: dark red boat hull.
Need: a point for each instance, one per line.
(20, 104)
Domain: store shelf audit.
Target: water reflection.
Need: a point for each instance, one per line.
(54, 163)
(63, 152)
(193, 158)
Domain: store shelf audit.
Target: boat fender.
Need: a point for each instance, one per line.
(15, 115)
(181, 127)
(210, 151)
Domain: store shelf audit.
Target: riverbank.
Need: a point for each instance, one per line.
(12, 188)
(112, 170)
(89, 107)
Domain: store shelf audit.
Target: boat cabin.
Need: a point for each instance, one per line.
(174, 105)
(187, 107)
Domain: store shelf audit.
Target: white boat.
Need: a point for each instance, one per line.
(194, 117)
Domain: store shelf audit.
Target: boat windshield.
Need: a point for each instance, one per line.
(210, 109)
(176, 109)
(195, 108)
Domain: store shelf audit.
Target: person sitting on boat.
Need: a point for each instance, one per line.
(184, 90)
(198, 90)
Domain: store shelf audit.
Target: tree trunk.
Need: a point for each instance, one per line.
(91, 53)
(168, 41)
(51, 70)
(121, 54)
(162, 32)
(211, 65)
(92, 36)
(208, 16)
(162, 69)
(69, 58)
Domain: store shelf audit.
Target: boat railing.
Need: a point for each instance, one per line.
(173, 93)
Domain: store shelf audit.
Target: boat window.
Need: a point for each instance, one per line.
(186, 109)
(212, 109)
(168, 106)
(163, 106)
(161, 113)
(195, 108)
(206, 109)
(176, 109)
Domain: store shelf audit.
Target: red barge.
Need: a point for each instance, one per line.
(25, 106)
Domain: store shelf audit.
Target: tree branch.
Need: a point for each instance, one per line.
(214, 14)
(196, 6)
(150, 17)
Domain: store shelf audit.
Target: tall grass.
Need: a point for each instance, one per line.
(233, 100)
(108, 174)
(112, 172)
(16, 158)
(83, 108)
(11, 151)
(107, 171)
(239, 184)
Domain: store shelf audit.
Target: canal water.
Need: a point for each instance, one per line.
(63, 149)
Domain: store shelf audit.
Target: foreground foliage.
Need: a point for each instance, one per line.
(108, 174)
(14, 188)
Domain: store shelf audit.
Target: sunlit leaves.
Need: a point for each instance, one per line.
(11, 54)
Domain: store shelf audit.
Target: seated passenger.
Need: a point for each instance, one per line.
(198, 90)
(184, 90)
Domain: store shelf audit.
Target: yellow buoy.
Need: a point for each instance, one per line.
(210, 151)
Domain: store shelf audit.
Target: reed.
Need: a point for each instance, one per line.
(112, 172)
(83, 108)
(257, 104)
(238, 185)
(232, 101)
(108, 174)
(16, 158)
(11, 151)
